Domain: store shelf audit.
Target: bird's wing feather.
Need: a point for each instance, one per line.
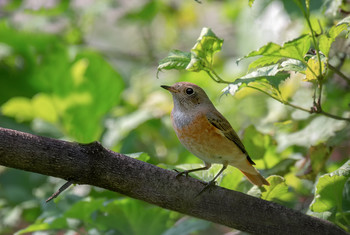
(220, 122)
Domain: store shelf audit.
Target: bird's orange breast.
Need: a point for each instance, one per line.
(205, 141)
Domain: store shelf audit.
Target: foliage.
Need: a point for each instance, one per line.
(86, 72)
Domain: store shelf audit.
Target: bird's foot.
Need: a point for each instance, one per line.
(207, 186)
(179, 173)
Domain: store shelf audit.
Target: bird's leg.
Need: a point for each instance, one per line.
(212, 182)
(206, 167)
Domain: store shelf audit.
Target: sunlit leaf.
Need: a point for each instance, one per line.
(24, 109)
(277, 189)
(266, 78)
(328, 38)
(202, 52)
(140, 156)
(313, 70)
(294, 49)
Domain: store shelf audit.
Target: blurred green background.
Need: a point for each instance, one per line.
(86, 70)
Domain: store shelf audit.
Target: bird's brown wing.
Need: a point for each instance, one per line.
(220, 122)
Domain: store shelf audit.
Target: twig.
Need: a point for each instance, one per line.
(60, 190)
(342, 75)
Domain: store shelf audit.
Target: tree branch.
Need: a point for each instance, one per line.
(94, 165)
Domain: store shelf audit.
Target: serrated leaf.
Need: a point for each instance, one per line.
(294, 49)
(329, 190)
(176, 59)
(202, 52)
(263, 61)
(326, 40)
(276, 189)
(267, 78)
(270, 50)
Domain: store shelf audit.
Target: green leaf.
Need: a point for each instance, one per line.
(329, 190)
(272, 52)
(313, 70)
(175, 60)
(202, 52)
(250, 3)
(318, 130)
(266, 78)
(140, 156)
(326, 40)
(200, 57)
(293, 65)
(56, 223)
(83, 210)
(275, 190)
(24, 109)
(91, 93)
(129, 216)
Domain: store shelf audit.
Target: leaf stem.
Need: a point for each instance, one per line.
(217, 78)
(318, 111)
(331, 67)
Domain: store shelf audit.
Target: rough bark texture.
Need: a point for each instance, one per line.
(94, 165)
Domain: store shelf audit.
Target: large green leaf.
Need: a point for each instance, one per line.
(331, 199)
(329, 190)
(277, 191)
(272, 52)
(318, 130)
(128, 216)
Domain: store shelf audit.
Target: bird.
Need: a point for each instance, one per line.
(206, 133)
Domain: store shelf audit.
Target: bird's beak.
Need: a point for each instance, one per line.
(169, 88)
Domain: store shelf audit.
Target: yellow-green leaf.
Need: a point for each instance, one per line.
(313, 70)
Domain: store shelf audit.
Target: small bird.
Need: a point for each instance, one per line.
(207, 134)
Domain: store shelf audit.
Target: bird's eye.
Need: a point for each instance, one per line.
(189, 91)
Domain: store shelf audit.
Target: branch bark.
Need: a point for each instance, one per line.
(94, 165)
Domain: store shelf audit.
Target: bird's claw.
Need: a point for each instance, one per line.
(207, 186)
(179, 173)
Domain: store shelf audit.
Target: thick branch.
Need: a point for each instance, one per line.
(94, 165)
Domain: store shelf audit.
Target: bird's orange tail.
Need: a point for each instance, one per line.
(257, 179)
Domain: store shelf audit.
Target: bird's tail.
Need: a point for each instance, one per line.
(256, 179)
